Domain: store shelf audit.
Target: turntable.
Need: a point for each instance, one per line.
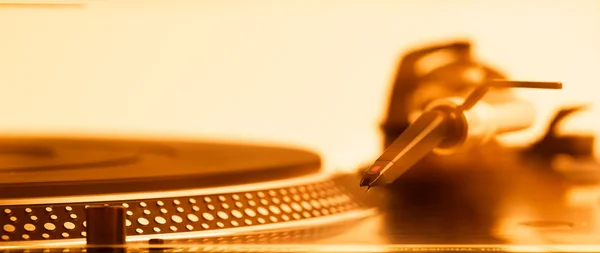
(175, 196)
(168, 190)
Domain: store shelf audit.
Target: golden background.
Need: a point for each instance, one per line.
(309, 73)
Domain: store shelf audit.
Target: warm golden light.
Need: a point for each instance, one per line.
(310, 73)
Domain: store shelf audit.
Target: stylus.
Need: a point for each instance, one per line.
(452, 123)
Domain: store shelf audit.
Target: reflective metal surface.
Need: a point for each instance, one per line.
(510, 210)
(441, 205)
(292, 205)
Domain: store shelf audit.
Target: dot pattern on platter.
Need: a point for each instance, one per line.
(183, 214)
(227, 243)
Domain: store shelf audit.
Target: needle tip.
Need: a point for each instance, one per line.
(364, 183)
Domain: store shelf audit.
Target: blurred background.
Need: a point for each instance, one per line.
(308, 73)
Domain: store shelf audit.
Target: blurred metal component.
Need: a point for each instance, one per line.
(552, 144)
(477, 122)
(429, 73)
(481, 122)
(155, 245)
(452, 123)
(571, 155)
(105, 225)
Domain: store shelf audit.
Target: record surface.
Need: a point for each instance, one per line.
(61, 167)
